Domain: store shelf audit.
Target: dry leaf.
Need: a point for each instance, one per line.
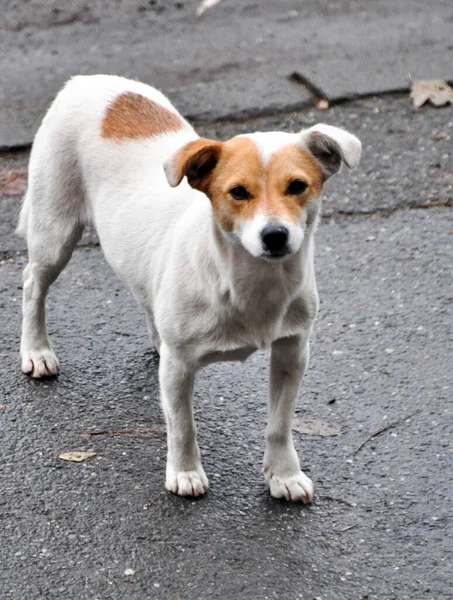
(316, 427)
(438, 92)
(13, 182)
(205, 5)
(76, 456)
(441, 135)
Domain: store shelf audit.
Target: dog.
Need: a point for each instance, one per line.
(214, 239)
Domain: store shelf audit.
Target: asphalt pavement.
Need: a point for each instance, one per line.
(233, 61)
(381, 371)
(380, 374)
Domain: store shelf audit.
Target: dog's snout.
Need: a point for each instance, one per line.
(275, 239)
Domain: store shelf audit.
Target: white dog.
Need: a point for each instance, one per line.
(214, 239)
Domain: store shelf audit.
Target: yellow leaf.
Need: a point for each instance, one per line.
(316, 427)
(76, 456)
(435, 90)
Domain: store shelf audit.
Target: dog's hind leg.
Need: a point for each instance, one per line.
(51, 220)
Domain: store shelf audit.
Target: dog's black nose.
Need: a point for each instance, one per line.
(275, 239)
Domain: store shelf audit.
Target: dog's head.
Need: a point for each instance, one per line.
(263, 185)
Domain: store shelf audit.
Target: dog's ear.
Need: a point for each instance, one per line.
(195, 160)
(332, 146)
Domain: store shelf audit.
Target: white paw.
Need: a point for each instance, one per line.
(40, 363)
(187, 483)
(296, 488)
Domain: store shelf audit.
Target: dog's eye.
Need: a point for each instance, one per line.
(296, 187)
(238, 192)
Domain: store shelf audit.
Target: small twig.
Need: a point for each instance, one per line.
(444, 202)
(126, 432)
(297, 77)
(384, 429)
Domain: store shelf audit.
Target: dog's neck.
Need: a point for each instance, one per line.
(247, 279)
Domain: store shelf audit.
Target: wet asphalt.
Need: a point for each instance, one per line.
(381, 370)
(234, 60)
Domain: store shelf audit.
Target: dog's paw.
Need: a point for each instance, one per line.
(296, 488)
(187, 483)
(40, 363)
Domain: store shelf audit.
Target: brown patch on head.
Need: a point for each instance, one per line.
(216, 167)
(240, 163)
(286, 165)
(213, 168)
(133, 116)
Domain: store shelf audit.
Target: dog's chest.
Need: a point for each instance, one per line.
(238, 333)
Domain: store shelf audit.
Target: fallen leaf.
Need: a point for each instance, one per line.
(441, 135)
(205, 5)
(13, 182)
(238, 561)
(316, 427)
(436, 91)
(76, 456)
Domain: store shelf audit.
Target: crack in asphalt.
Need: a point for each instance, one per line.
(242, 116)
(344, 215)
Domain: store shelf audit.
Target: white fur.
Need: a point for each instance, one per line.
(249, 232)
(270, 141)
(205, 298)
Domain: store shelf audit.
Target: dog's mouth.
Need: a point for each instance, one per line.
(275, 256)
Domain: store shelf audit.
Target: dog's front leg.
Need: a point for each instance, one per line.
(185, 475)
(289, 359)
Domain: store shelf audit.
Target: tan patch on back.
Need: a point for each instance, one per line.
(133, 116)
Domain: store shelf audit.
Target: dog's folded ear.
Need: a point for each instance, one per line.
(332, 146)
(195, 160)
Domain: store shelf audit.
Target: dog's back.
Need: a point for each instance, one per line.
(79, 147)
